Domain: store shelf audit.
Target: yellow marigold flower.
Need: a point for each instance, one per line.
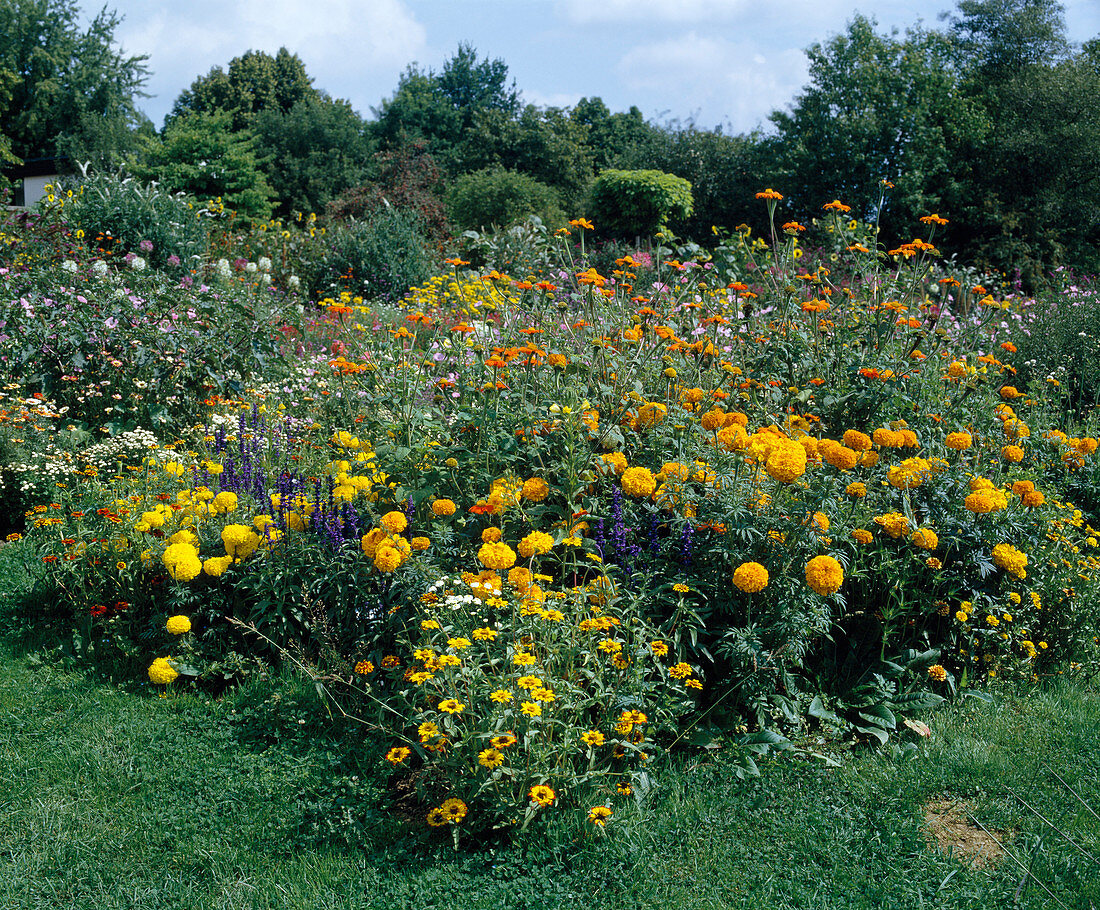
(862, 536)
(893, 523)
(856, 440)
(659, 648)
(962, 615)
(224, 502)
(395, 522)
(856, 490)
(542, 794)
(215, 566)
(615, 461)
(491, 535)
(650, 415)
(535, 544)
(536, 489)
(1013, 561)
(436, 818)
(531, 709)
(543, 695)
(958, 441)
(458, 644)
(161, 672)
(529, 682)
(398, 754)
(178, 625)
(638, 482)
(750, 577)
(442, 508)
(824, 575)
(496, 556)
(680, 671)
(1012, 454)
(501, 696)
(523, 659)
(387, 559)
(364, 668)
(937, 673)
(484, 634)
(240, 541)
(490, 758)
(925, 539)
(787, 462)
(451, 706)
(610, 646)
(599, 815)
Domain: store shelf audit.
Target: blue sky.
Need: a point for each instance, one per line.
(722, 63)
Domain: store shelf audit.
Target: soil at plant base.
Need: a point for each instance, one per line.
(947, 825)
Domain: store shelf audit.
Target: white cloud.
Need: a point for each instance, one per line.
(550, 99)
(344, 44)
(630, 12)
(720, 81)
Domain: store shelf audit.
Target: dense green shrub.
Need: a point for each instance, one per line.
(639, 202)
(380, 257)
(497, 197)
(132, 213)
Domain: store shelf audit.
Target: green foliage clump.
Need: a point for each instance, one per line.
(201, 155)
(494, 197)
(380, 257)
(639, 202)
(130, 211)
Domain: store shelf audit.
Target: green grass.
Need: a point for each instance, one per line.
(113, 798)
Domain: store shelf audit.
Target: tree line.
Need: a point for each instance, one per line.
(989, 119)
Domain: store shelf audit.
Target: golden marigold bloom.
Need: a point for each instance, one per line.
(501, 696)
(862, 536)
(681, 670)
(536, 543)
(1013, 561)
(824, 575)
(496, 556)
(1008, 392)
(398, 754)
(1012, 454)
(958, 441)
(178, 625)
(364, 668)
(925, 539)
(937, 673)
(240, 541)
(224, 502)
(491, 535)
(836, 206)
(161, 672)
(436, 818)
(750, 577)
(638, 482)
(387, 559)
(531, 709)
(856, 490)
(854, 439)
(650, 415)
(420, 543)
(769, 194)
(599, 815)
(442, 508)
(893, 523)
(451, 706)
(215, 566)
(659, 648)
(786, 462)
(395, 522)
(956, 369)
(535, 489)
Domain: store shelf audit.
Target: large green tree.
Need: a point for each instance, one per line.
(878, 108)
(202, 155)
(315, 151)
(995, 39)
(68, 90)
(255, 81)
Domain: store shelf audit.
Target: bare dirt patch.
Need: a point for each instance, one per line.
(948, 826)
